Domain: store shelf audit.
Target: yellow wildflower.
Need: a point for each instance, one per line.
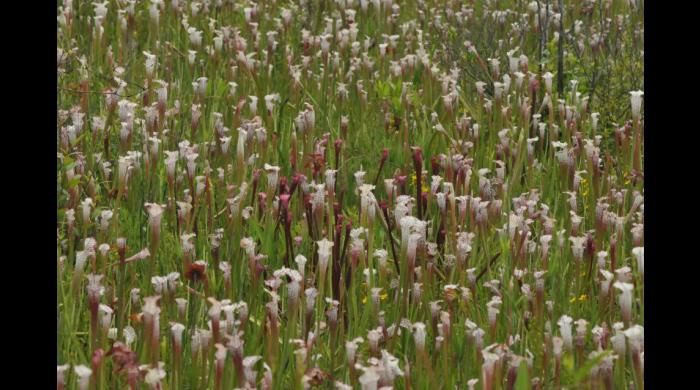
(424, 186)
(382, 297)
(584, 186)
(582, 298)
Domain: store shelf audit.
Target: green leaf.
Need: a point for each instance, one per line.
(77, 140)
(255, 229)
(585, 370)
(67, 161)
(522, 381)
(74, 181)
(567, 362)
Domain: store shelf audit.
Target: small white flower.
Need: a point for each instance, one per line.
(83, 372)
(391, 367)
(177, 329)
(311, 294)
(155, 375)
(638, 253)
(625, 299)
(253, 105)
(248, 363)
(272, 175)
(60, 373)
(87, 204)
(106, 313)
(373, 337)
(565, 329)
(636, 102)
(155, 214)
(351, 349)
(324, 253)
(419, 335)
(635, 336)
(301, 264)
(368, 380)
(129, 335)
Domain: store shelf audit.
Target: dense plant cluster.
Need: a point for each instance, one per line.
(350, 194)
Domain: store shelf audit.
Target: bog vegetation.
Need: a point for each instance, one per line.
(350, 194)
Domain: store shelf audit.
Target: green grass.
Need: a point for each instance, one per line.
(525, 191)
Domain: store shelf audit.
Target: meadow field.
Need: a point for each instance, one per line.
(350, 194)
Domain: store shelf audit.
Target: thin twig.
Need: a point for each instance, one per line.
(483, 271)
